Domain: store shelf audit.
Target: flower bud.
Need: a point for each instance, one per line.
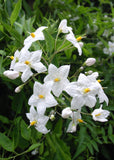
(52, 117)
(90, 61)
(18, 89)
(11, 74)
(66, 112)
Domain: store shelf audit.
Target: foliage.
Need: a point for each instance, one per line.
(92, 140)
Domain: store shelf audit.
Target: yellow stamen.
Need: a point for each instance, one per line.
(79, 38)
(56, 79)
(40, 96)
(11, 57)
(27, 62)
(32, 35)
(98, 114)
(86, 90)
(33, 123)
(80, 120)
(99, 80)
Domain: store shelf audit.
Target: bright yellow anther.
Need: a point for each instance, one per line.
(99, 80)
(86, 90)
(98, 114)
(11, 57)
(33, 123)
(27, 62)
(32, 35)
(56, 79)
(80, 120)
(40, 96)
(79, 38)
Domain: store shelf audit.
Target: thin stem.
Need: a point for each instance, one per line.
(60, 51)
(89, 114)
(56, 39)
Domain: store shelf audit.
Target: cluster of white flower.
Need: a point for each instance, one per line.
(84, 92)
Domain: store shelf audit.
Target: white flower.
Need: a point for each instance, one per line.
(11, 74)
(63, 27)
(27, 61)
(59, 78)
(90, 61)
(42, 98)
(110, 48)
(76, 118)
(101, 95)
(66, 112)
(15, 59)
(71, 38)
(37, 35)
(39, 121)
(17, 56)
(83, 92)
(100, 114)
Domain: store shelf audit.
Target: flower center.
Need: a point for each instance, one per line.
(86, 90)
(79, 38)
(56, 79)
(80, 120)
(99, 80)
(27, 62)
(32, 35)
(98, 114)
(33, 123)
(41, 96)
(11, 57)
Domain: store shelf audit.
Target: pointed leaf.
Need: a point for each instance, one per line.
(25, 131)
(49, 41)
(6, 143)
(15, 12)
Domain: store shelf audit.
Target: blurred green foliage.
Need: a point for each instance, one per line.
(91, 18)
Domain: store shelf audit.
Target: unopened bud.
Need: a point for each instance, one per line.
(90, 61)
(52, 117)
(18, 89)
(66, 112)
(11, 74)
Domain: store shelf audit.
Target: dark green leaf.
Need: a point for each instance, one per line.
(49, 41)
(25, 131)
(4, 119)
(6, 143)
(33, 146)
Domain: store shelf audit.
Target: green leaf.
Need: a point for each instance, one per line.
(62, 150)
(15, 12)
(58, 148)
(58, 127)
(111, 137)
(33, 146)
(81, 145)
(18, 102)
(90, 148)
(6, 143)
(49, 41)
(3, 53)
(16, 132)
(110, 130)
(4, 119)
(95, 146)
(25, 131)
